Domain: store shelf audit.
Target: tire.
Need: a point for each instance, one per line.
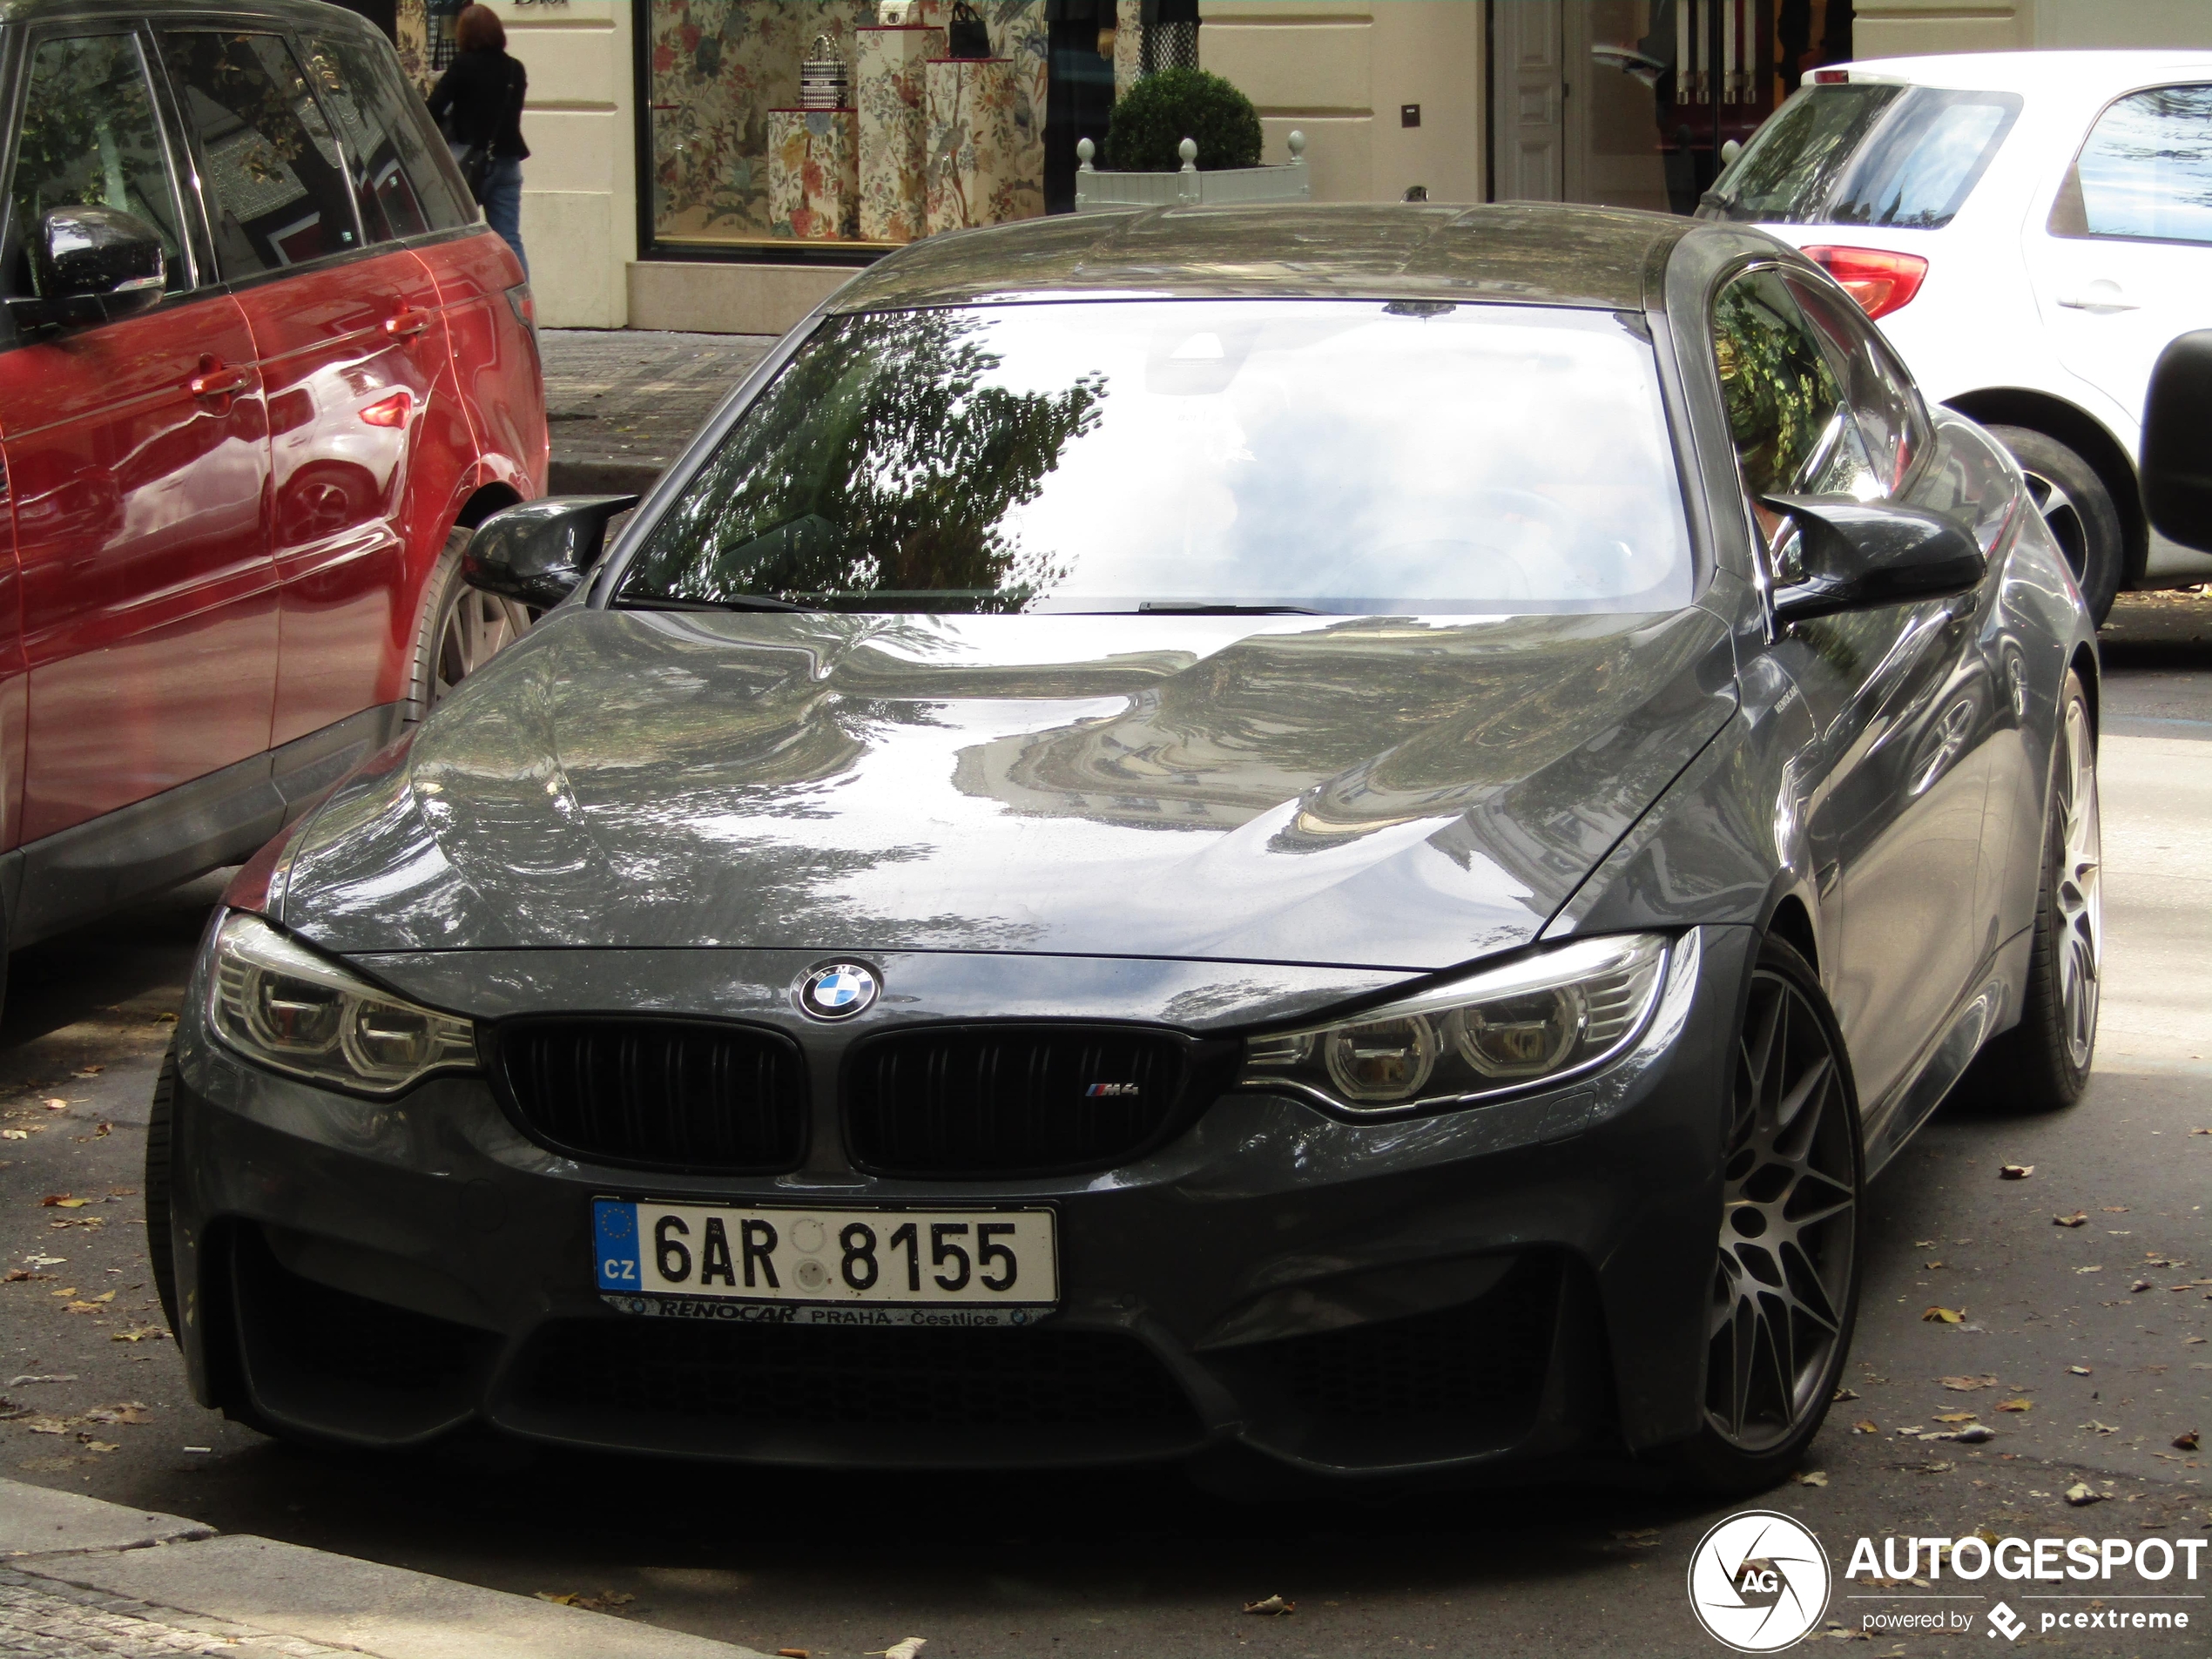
(457, 630)
(160, 1248)
(2079, 511)
(2042, 1063)
(1783, 1297)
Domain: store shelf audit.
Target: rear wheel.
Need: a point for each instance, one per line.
(2042, 1063)
(458, 629)
(2077, 511)
(1784, 1290)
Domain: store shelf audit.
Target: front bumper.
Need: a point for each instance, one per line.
(1503, 1284)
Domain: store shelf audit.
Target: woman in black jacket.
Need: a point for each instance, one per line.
(479, 102)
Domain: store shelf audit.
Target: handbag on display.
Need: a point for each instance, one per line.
(966, 36)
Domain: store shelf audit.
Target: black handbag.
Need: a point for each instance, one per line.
(966, 36)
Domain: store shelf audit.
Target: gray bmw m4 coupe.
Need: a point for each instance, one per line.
(1326, 841)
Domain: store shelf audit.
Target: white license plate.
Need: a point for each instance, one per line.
(827, 1266)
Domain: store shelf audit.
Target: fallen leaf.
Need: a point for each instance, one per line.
(1974, 1434)
(1930, 1267)
(2078, 1371)
(99, 1129)
(2016, 1171)
(2191, 1342)
(2096, 1427)
(907, 1647)
(1865, 1426)
(2115, 1208)
(1273, 1604)
(1843, 1393)
(1947, 1316)
(2088, 1269)
(793, 1653)
(83, 1308)
(15, 1134)
(2016, 1404)
(47, 1425)
(1815, 1477)
(2140, 1285)
(2188, 1442)
(1936, 1468)
(104, 1296)
(17, 1275)
(1964, 1385)
(89, 1071)
(55, 1105)
(131, 1411)
(1954, 1416)
(2081, 1497)
(1925, 1244)
(2078, 1218)
(98, 1446)
(62, 1201)
(140, 1335)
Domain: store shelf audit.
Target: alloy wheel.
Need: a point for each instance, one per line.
(1782, 1282)
(476, 629)
(2077, 894)
(2063, 518)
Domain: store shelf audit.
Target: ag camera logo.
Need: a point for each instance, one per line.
(1759, 1581)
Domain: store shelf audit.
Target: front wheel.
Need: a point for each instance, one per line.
(1784, 1290)
(458, 628)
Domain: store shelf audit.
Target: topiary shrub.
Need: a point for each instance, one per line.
(1163, 109)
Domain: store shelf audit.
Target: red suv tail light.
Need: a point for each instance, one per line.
(1881, 281)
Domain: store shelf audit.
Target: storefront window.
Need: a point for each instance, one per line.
(841, 125)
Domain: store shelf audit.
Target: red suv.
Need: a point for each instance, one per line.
(260, 370)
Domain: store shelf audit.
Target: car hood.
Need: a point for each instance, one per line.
(1382, 792)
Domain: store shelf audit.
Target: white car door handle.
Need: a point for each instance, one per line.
(2100, 295)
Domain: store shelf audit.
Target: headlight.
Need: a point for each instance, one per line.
(281, 1005)
(1541, 1019)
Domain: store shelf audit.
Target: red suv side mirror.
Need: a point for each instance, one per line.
(92, 263)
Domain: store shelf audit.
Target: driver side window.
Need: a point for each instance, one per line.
(91, 137)
(1788, 414)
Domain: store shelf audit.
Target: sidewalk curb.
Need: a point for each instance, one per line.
(167, 1562)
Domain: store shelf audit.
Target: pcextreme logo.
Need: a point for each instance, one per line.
(1760, 1581)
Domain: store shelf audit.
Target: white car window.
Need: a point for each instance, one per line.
(2146, 173)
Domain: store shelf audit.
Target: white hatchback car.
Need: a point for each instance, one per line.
(2031, 229)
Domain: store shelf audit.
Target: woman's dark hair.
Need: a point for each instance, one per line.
(478, 28)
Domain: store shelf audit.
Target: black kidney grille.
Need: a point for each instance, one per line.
(1011, 1100)
(659, 1093)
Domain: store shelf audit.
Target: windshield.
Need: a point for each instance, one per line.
(1865, 153)
(1336, 456)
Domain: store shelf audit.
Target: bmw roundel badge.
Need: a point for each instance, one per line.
(837, 991)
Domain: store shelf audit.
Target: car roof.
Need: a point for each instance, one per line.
(1523, 253)
(294, 12)
(2094, 74)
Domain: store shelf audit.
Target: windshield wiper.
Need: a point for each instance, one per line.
(1200, 608)
(736, 602)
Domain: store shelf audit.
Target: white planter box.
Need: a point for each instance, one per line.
(1097, 192)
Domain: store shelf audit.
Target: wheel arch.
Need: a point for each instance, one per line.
(2087, 436)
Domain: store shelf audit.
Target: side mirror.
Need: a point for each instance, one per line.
(92, 264)
(1858, 555)
(2177, 442)
(538, 551)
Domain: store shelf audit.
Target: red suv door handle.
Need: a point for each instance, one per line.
(218, 381)
(410, 321)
